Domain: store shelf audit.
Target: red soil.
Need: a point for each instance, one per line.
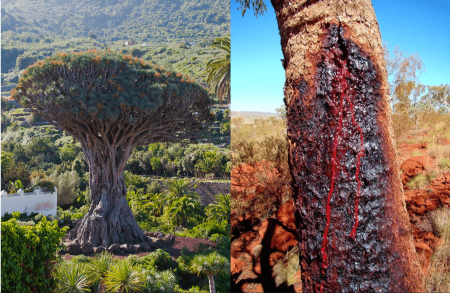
(263, 242)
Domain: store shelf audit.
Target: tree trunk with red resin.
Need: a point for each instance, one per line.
(354, 231)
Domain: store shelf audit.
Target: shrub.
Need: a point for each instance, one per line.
(38, 218)
(80, 259)
(420, 181)
(159, 259)
(27, 261)
(444, 163)
(154, 187)
(67, 184)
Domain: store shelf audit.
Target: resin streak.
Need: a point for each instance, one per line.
(339, 173)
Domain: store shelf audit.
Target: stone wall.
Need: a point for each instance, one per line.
(206, 189)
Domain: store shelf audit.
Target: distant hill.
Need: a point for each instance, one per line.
(172, 33)
(249, 115)
(109, 20)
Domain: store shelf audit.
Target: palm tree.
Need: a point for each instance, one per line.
(220, 210)
(210, 265)
(184, 208)
(124, 277)
(177, 188)
(218, 69)
(98, 268)
(72, 279)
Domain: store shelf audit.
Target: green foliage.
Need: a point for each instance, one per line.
(27, 261)
(225, 128)
(220, 210)
(419, 181)
(444, 163)
(18, 216)
(133, 84)
(161, 282)
(80, 259)
(159, 259)
(219, 69)
(38, 218)
(154, 187)
(72, 278)
(124, 277)
(67, 184)
(46, 186)
(184, 209)
(99, 266)
(206, 230)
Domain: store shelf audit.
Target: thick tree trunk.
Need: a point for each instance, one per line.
(109, 216)
(354, 231)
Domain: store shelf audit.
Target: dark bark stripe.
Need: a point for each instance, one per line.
(340, 174)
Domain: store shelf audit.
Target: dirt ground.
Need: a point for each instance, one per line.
(174, 249)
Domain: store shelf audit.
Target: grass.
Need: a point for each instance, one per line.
(257, 129)
(438, 278)
(420, 181)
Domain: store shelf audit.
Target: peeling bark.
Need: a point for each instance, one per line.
(352, 223)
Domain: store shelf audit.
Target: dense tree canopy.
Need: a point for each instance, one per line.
(111, 103)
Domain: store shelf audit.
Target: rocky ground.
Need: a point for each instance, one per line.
(264, 256)
(172, 244)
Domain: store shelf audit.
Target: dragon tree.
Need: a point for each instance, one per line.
(353, 228)
(111, 103)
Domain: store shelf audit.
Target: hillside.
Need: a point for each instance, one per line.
(174, 34)
(142, 20)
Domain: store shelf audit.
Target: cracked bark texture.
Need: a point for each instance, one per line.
(353, 227)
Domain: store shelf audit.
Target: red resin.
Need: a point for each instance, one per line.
(340, 91)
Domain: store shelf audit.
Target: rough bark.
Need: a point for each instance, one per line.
(212, 286)
(353, 228)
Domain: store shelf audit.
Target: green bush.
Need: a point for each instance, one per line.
(160, 260)
(28, 261)
(38, 218)
(46, 186)
(206, 230)
(80, 259)
(77, 216)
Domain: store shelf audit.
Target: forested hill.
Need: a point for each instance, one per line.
(111, 20)
(171, 33)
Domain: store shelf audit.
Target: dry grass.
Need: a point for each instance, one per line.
(438, 278)
(257, 129)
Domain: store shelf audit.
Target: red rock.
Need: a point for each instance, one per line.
(285, 214)
(414, 166)
(274, 257)
(252, 287)
(423, 246)
(275, 236)
(236, 266)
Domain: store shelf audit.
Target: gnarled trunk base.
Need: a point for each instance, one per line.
(109, 218)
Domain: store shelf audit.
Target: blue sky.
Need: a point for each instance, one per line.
(257, 76)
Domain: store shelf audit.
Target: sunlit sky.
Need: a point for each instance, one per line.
(420, 27)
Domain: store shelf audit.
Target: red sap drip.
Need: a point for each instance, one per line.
(341, 87)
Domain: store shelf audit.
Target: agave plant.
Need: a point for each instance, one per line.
(72, 278)
(124, 277)
(98, 268)
(161, 282)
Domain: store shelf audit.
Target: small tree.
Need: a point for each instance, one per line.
(110, 104)
(210, 265)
